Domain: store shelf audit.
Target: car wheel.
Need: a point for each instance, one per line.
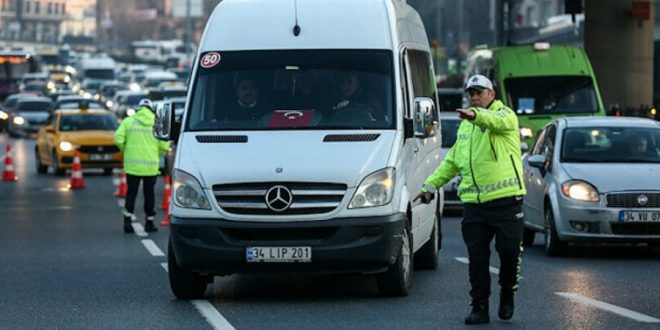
(56, 165)
(396, 280)
(185, 284)
(528, 237)
(554, 247)
(427, 256)
(41, 168)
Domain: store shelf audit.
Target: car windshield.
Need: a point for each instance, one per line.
(34, 106)
(88, 123)
(76, 105)
(301, 89)
(611, 145)
(449, 130)
(552, 95)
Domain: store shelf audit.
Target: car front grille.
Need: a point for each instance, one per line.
(305, 197)
(631, 200)
(106, 149)
(636, 228)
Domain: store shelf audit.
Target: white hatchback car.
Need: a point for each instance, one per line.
(593, 180)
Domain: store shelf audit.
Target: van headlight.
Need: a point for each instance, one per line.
(66, 146)
(375, 190)
(188, 193)
(580, 191)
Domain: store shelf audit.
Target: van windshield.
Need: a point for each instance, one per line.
(552, 95)
(293, 89)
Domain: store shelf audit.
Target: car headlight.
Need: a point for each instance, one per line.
(134, 87)
(66, 146)
(375, 190)
(188, 193)
(130, 112)
(87, 95)
(526, 132)
(3, 115)
(109, 104)
(580, 190)
(18, 120)
(50, 85)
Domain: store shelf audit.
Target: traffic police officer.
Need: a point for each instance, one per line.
(142, 153)
(488, 158)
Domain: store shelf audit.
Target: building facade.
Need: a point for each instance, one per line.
(32, 20)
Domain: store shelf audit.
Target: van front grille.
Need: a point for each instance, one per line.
(279, 198)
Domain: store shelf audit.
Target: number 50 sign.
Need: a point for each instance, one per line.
(209, 60)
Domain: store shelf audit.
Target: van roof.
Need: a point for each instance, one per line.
(558, 60)
(339, 24)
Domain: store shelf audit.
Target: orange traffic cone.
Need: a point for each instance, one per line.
(8, 174)
(123, 186)
(77, 181)
(166, 222)
(167, 193)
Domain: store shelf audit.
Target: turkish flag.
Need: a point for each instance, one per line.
(290, 118)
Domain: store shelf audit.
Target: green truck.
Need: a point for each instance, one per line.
(541, 82)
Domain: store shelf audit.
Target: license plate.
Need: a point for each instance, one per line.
(100, 157)
(279, 254)
(635, 216)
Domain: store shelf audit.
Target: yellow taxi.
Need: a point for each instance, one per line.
(89, 131)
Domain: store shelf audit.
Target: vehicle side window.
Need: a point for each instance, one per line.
(423, 85)
(540, 139)
(548, 147)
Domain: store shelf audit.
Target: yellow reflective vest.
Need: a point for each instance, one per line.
(486, 155)
(135, 139)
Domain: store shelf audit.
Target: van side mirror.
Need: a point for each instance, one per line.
(423, 117)
(49, 129)
(537, 161)
(164, 118)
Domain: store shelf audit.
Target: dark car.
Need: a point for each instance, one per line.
(28, 115)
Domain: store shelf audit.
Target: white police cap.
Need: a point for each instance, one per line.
(478, 82)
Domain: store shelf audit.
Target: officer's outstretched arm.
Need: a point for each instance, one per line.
(499, 121)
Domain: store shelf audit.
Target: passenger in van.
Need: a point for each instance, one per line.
(351, 100)
(248, 105)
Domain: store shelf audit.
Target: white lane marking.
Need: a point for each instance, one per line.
(139, 230)
(164, 264)
(211, 314)
(609, 307)
(152, 248)
(467, 262)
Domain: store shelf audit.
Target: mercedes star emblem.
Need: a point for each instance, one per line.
(279, 198)
(642, 200)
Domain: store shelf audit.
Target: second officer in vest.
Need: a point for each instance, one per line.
(142, 153)
(488, 158)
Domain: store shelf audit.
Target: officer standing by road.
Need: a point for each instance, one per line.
(142, 153)
(488, 158)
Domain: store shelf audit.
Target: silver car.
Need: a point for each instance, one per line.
(593, 180)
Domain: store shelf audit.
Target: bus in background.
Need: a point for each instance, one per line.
(14, 63)
(540, 82)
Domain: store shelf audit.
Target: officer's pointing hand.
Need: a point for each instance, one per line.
(425, 197)
(465, 113)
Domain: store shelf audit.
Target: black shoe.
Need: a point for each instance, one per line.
(506, 306)
(128, 228)
(150, 227)
(479, 314)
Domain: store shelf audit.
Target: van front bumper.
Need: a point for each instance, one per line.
(342, 245)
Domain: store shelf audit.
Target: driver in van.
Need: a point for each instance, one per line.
(351, 100)
(247, 106)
